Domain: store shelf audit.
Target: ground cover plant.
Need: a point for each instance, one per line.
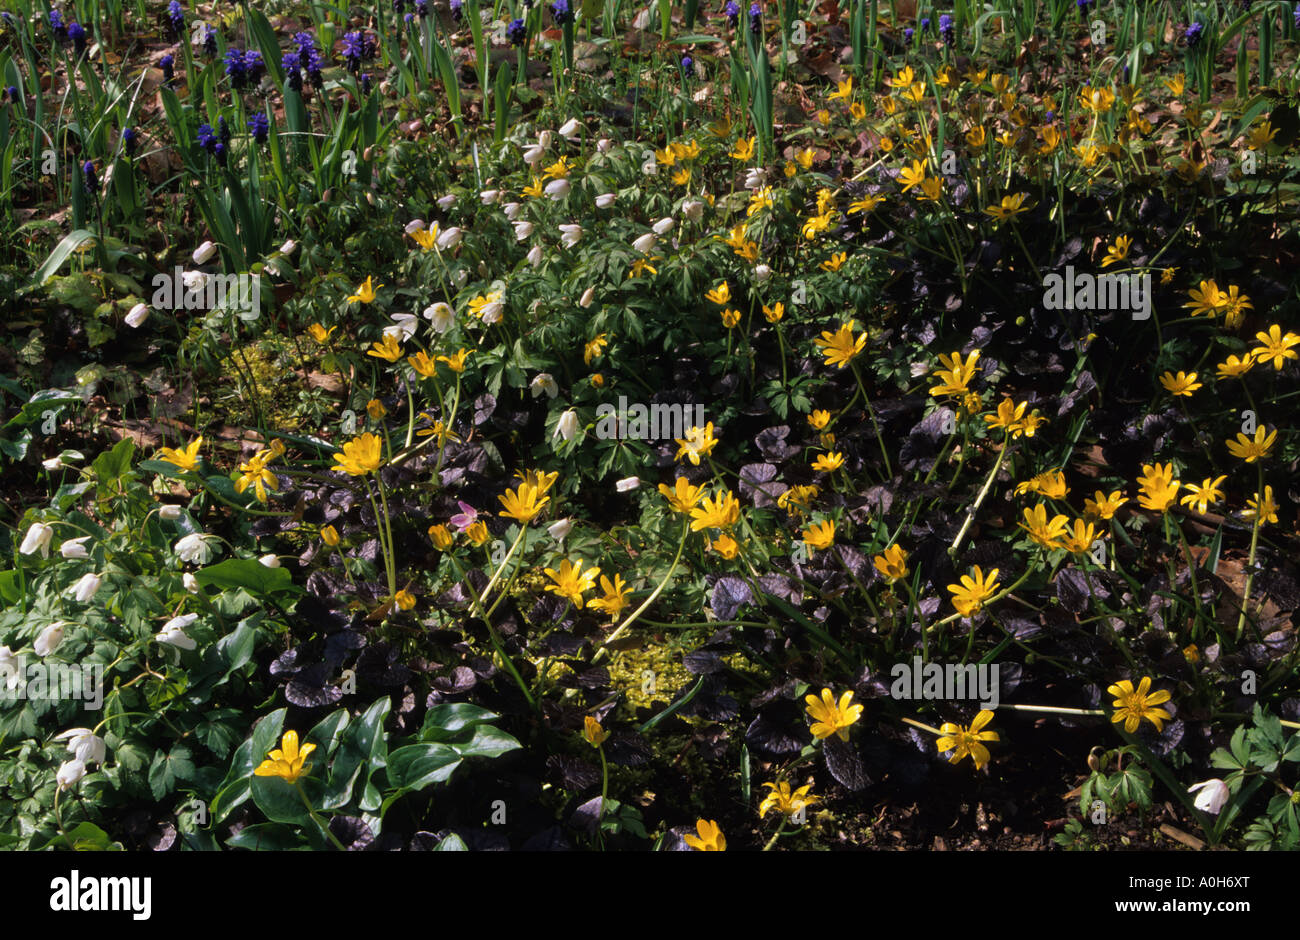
(672, 427)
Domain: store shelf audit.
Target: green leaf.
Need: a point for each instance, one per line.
(247, 573)
(85, 837)
(362, 743)
(62, 251)
(266, 837)
(452, 843)
(281, 801)
(165, 771)
(110, 466)
(235, 789)
(487, 742)
(443, 722)
(418, 765)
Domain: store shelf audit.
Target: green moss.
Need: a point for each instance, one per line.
(652, 674)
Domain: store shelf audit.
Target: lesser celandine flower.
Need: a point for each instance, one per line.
(1275, 346)
(523, 503)
(1184, 383)
(965, 742)
(1080, 538)
(592, 732)
(286, 761)
(820, 535)
(1117, 251)
(841, 347)
(1046, 533)
(892, 563)
(365, 293)
(571, 582)
(1234, 367)
(781, 799)
(184, 458)
(716, 512)
(830, 717)
(1266, 510)
(1010, 207)
(710, 838)
(974, 590)
(389, 349)
(699, 442)
(1207, 299)
(1157, 487)
(1101, 506)
(361, 455)
(441, 536)
(614, 596)
(827, 463)
(1131, 706)
(1202, 496)
(1252, 449)
(456, 361)
(478, 533)
(330, 536)
(683, 496)
(724, 545)
(255, 474)
(594, 348)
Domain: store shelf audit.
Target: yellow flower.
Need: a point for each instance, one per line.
(865, 204)
(730, 318)
(1009, 417)
(970, 595)
(835, 262)
(361, 455)
(535, 189)
(522, 504)
(456, 362)
(724, 545)
(1102, 506)
(1175, 85)
(1045, 533)
(710, 837)
(843, 91)
(1184, 383)
(286, 761)
(1235, 307)
(820, 535)
(1235, 367)
(184, 458)
(478, 533)
(716, 512)
(965, 742)
(365, 293)
(1267, 510)
(592, 731)
(784, 802)
(388, 349)
(375, 408)
(699, 442)
(1080, 539)
(615, 597)
(1201, 496)
(976, 138)
(425, 238)
(840, 347)
(744, 149)
(774, 313)
(830, 718)
(594, 348)
(320, 334)
(1050, 483)
(912, 175)
(330, 536)
(484, 300)
(683, 497)
(857, 111)
(571, 581)
(958, 374)
(828, 463)
(1249, 449)
(1276, 347)
(558, 169)
(542, 482)
(1097, 100)
(819, 419)
(257, 476)
(892, 563)
(423, 365)
(1157, 487)
(441, 536)
(1011, 206)
(1207, 299)
(403, 600)
(797, 498)
(1131, 706)
(1117, 251)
